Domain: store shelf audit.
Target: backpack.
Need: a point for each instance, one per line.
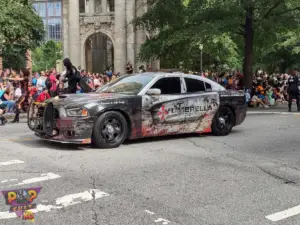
(48, 83)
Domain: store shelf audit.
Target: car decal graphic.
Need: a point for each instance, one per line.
(165, 115)
(162, 113)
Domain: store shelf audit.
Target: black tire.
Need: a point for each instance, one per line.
(30, 123)
(223, 121)
(110, 130)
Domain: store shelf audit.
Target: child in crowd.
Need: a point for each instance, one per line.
(33, 93)
(60, 89)
(270, 96)
(43, 96)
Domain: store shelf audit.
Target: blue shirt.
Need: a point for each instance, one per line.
(34, 81)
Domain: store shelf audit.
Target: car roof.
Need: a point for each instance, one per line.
(180, 74)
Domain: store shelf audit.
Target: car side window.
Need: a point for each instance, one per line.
(168, 85)
(208, 87)
(194, 85)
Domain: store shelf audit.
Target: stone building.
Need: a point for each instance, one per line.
(98, 34)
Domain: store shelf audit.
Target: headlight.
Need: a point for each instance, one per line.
(77, 112)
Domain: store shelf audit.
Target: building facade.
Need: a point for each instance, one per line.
(51, 13)
(98, 34)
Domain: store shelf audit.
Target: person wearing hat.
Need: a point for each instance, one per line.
(293, 90)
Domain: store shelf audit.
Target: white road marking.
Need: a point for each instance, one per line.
(63, 202)
(268, 112)
(10, 162)
(284, 214)
(10, 180)
(147, 211)
(158, 220)
(163, 221)
(43, 177)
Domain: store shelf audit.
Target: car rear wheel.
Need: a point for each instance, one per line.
(110, 130)
(223, 121)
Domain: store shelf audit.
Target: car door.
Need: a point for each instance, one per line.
(160, 114)
(200, 106)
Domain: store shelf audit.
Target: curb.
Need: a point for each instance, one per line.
(12, 116)
(274, 113)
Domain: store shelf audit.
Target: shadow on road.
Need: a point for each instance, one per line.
(174, 137)
(31, 142)
(36, 143)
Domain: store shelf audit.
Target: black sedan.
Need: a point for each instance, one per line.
(138, 106)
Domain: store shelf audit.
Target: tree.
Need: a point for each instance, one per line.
(19, 25)
(45, 56)
(253, 25)
(284, 55)
(14, 56)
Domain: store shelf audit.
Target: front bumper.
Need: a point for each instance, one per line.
(240, 114)
(77, 130)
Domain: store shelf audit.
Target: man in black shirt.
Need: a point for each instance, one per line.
(72, 76)
(293, 90)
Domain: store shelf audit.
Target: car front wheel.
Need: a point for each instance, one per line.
(223, 121)
(110, 130)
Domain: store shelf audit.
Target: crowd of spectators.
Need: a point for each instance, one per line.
(267, 89)
(17, 90)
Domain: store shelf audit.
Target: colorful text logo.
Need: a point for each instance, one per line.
(21, 202)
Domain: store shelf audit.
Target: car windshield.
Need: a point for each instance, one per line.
(127, 84)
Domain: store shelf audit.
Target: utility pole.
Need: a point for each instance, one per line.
(201, 53)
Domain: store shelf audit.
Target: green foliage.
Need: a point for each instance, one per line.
(285, 54)
(45, 56)
(19, 24)
(14, 56)
(225, 27)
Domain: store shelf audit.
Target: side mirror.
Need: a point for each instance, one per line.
(154, 91)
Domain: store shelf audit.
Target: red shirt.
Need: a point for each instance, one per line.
(42, 97)
(33, 91)
(52, 79)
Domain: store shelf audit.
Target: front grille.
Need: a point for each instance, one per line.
(48, 119)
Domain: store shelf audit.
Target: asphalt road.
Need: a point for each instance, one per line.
(189, 180)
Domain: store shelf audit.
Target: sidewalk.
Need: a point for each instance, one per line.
(11, 116)
(277, 109)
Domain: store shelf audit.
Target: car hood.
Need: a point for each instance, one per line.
(78, 100)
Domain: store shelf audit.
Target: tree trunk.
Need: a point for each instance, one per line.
(29, 61)
(249, 41)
